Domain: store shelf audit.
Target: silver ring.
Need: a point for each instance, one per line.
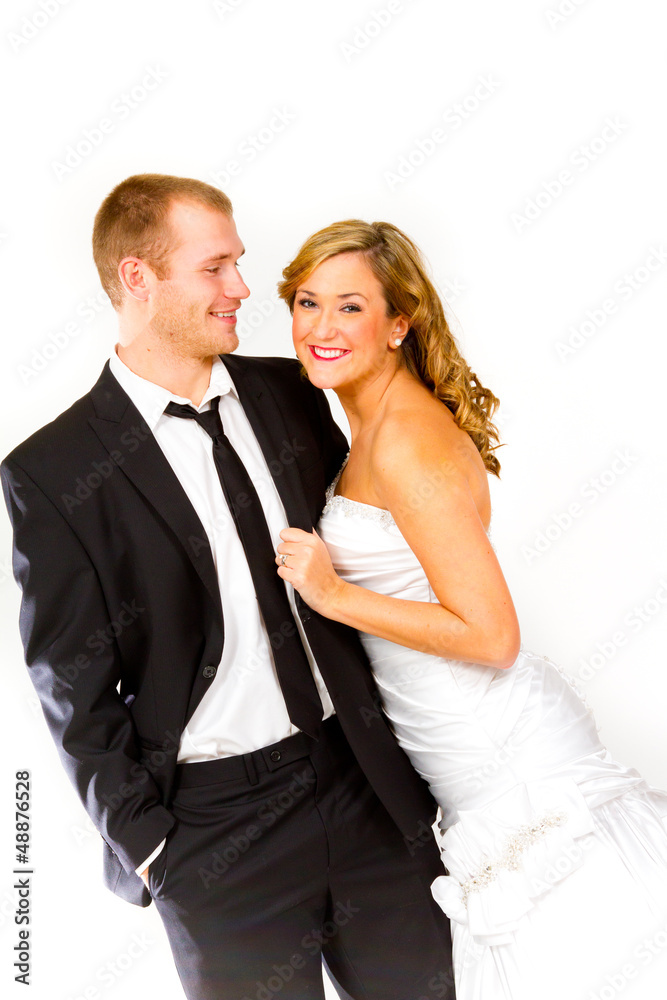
(283, 559)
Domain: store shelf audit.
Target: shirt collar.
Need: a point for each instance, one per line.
(151, 399)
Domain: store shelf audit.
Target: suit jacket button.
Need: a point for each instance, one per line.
(275, 755)
(210, 671)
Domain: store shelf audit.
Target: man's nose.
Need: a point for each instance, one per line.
(236, 288)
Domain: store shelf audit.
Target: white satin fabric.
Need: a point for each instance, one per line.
(556, 853)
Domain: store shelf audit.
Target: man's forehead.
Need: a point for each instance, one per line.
(187, 212)
(205, 230)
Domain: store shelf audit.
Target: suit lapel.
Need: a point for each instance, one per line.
(268, 424)
(131, 444)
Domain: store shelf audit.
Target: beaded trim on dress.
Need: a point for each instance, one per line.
(510, 859)
(355, 507)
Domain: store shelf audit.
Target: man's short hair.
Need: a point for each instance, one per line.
(133, 221)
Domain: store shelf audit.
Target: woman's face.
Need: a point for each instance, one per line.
(342, 334)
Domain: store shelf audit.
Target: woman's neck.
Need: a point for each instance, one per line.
(366, 406)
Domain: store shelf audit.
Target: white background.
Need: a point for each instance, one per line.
(357, 89)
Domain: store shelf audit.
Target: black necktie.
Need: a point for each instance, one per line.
(302, 698)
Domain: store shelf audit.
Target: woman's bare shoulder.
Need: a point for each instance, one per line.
(419, 444)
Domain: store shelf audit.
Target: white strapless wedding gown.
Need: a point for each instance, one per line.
(556, 853)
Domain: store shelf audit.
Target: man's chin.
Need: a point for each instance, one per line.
(226, 344)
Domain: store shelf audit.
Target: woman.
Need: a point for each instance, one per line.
(557, 854)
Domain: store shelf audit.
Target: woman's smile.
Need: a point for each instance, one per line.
(328, 353)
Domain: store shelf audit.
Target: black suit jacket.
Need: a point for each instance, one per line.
(121, 610)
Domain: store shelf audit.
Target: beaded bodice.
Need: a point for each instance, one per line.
(378, 515)
(354, 507)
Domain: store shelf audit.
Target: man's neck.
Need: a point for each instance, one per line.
(186, 377)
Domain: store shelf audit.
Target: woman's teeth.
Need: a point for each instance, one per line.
(326, 353)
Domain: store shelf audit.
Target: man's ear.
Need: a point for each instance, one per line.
(134, 277)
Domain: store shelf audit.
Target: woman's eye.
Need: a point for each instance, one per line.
(306, 303)
(351, 307)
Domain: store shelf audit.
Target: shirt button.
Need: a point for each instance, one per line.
(275, 755)
(210, 671)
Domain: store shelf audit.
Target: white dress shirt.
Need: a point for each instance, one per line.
(244, 708)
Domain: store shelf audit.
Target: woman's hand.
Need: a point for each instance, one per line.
(308, 568)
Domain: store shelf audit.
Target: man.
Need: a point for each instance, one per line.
(225, 739)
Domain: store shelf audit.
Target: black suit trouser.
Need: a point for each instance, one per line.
(284, 857)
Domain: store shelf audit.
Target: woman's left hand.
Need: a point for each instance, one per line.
(308, 568)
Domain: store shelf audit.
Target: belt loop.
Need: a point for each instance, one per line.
(250, 769)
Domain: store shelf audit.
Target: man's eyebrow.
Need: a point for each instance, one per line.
(345, 295)
(220, 256)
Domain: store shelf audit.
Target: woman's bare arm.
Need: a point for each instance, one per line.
(423, 480)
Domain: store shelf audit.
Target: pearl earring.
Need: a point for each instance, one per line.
(398, 342)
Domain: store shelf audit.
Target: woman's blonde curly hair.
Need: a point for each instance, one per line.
(429, 350)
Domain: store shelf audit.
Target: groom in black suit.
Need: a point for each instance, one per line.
(224, 738)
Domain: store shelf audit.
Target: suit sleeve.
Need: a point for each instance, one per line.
(62, 608)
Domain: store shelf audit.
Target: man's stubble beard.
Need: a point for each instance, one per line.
(180, 327)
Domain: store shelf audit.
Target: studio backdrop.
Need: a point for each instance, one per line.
(521, 145)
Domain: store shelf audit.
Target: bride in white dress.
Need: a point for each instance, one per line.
(556, 854)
